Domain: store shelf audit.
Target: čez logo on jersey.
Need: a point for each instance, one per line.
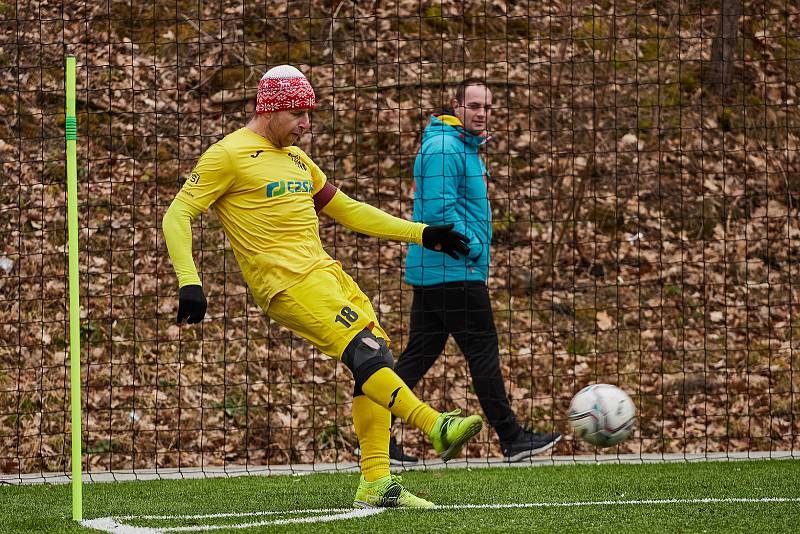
(281, 187)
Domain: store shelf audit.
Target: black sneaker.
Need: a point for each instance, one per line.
(528, 444)
(396, 454)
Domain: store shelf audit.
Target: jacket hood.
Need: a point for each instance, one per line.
(451, 126)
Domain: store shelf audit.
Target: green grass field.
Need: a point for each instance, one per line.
(545, 490)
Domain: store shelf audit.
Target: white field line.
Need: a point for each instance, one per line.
(109, 524)
(707, 500)
(236, 514)
(114, 525)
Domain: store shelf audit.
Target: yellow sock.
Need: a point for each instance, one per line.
(372, 423)
(388, 390)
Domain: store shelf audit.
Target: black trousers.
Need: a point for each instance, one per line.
(464, 310)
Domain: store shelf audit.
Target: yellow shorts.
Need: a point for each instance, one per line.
(327, 308)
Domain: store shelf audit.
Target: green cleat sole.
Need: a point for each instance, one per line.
(455, 447)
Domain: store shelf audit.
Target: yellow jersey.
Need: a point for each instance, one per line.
(263, 196)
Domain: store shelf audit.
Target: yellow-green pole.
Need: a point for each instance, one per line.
(71, 124)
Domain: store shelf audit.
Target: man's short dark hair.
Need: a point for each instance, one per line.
(462, 87)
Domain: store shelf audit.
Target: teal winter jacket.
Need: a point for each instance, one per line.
(450, 186)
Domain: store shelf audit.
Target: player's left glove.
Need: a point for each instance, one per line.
(442, 238)
(191, 304)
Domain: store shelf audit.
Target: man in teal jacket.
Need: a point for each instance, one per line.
(450, 292)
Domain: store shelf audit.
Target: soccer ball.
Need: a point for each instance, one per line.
(602, 414)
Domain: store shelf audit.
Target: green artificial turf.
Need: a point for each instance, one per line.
(46, 508)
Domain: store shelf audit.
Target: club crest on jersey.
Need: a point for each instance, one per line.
(281, 187)
(297, 161)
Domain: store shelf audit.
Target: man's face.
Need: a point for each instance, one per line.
(284, 128)
(476, 108)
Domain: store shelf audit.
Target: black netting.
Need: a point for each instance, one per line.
(644, 190)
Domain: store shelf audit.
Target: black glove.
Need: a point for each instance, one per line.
(442, 238)
(191, 305)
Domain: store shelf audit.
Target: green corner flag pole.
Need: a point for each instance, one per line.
(71, 126)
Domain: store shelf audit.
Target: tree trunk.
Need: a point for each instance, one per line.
(724, 47)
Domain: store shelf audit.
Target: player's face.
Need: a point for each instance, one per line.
(286, 127)
(475, 110)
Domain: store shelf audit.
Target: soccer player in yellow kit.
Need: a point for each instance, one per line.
(267, 194)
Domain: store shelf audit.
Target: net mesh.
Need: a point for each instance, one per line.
(644, 187)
